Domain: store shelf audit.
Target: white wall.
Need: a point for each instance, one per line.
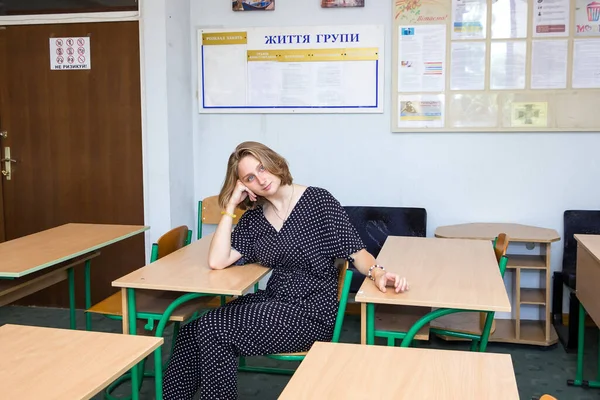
(528, 178)
(167, 116)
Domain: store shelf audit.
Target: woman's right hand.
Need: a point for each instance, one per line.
(240, 193)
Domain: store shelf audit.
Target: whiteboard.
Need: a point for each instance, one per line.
(495, 65)
(316, 69)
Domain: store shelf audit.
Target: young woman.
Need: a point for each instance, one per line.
(297, 231)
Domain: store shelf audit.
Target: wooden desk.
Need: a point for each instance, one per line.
(49, 363)
(535, 332)
(186, 271)
(350, 371)
(442, 273)
(587, 288)
(34, 262)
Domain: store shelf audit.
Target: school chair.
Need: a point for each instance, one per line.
(151, 304)
(344, 281)
(486, 319)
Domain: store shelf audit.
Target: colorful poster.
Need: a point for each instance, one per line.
(421, 111)
(421, 58)
(587, 18)
(529, 115)
(421, 11)
(551, 18)
(469, 19)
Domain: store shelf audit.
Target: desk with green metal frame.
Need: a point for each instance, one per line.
(451, 275)
(34, 262)
(185, 271)
(587, 288)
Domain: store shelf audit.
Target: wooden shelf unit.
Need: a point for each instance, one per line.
(534, 332)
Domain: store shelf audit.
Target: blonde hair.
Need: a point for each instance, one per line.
(271, 161)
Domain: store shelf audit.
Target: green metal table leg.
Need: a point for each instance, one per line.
(71, 276)
(131, 308)
(579, 381)
(370, 323)
(88, 294)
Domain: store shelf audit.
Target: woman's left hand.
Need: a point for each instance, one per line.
(393, 280)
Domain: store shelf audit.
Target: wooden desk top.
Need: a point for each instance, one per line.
(187, 270)
(351, 371)
(488, 231)
(49, 363)
(591, 243)
(40, 250)
(445, 273)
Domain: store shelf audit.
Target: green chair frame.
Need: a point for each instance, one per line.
(339, 321)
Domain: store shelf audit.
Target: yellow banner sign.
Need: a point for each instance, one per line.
(223, 38)
(308, 55)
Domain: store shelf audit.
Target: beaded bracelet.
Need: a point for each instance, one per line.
(372, 268)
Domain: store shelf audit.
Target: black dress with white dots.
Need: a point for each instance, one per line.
(297, 308)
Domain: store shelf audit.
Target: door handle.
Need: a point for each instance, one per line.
(3, 134)
(6, 172)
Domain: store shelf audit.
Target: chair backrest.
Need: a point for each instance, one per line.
(577, 221)
(209, 212)
(375, 224)
(344, 281)
(548, 397)
(500, 245)
(171, 241)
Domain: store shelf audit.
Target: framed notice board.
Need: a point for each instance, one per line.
(495, 65)
(305, 69)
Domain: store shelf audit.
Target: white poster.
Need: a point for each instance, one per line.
(587, 18)
(586, 63)
(421, 111)
(467, 69)
(469, 18)
(549, 64)
(70, 53)
(421, 58)
(509, 19)
(327, 69)
(507, 66)
(551, 18)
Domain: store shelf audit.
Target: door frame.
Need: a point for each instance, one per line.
(116, 16)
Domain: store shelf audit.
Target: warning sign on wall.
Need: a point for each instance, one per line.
(70, 53)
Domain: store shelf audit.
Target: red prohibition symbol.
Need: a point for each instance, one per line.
(81, 59)
(81, 50)
(60, 60)
(70, 59)
(70, 51)
(70, 42)
(60, 51)
(59, 42)
(80, 41)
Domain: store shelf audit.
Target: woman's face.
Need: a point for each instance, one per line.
(256, 178)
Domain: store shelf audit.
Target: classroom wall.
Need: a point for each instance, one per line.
(528, 178)
(167, 116)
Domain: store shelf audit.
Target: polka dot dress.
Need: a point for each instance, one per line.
(297, 308)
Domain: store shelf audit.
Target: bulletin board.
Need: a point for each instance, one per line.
(495, 65)
(313, 69)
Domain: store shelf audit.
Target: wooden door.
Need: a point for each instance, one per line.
(76, 137)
